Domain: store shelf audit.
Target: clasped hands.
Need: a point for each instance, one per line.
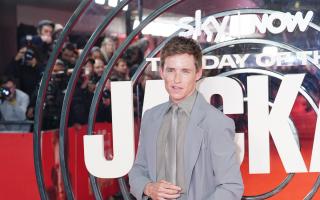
(162, 190)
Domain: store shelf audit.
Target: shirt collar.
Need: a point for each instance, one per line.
(186, 104)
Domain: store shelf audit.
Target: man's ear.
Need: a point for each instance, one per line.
(199, 73)
(161, 71)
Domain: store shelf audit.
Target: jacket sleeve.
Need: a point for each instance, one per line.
(139, 173)
(22, 105)
(225, 163)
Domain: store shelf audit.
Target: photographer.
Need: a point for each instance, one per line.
(55, 95)
(104, 107)
(25, 67)
(13, 106)
(81, 103)
(43, 41)
(45, 30)
(69, 55)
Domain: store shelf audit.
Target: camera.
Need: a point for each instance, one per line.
(29, 42)
(29, 55)
(54, 100)
(4, 93)
(57, 85)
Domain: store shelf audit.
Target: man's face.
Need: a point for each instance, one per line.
(46, 34)
(46, 30)
(12, 87)
(180, 75)
(121, 67)
(69, 56)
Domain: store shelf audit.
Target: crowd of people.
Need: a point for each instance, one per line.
(21, 80)
(26, 68)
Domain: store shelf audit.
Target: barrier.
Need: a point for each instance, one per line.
(17, 174)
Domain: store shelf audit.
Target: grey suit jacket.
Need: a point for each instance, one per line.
(211, 168)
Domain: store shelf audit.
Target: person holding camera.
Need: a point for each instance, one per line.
(44, 39)
(13, 105)
(69, 55)
(25, 67)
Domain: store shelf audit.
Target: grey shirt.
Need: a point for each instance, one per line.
(15, 111)
(184, 112)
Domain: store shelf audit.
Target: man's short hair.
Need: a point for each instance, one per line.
(6, 79)
(69, 46)
(182, 45)
(45, 22)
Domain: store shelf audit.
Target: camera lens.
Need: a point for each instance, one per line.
(29, 55)
(4, 92)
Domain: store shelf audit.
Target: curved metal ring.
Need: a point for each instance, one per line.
(312, 103)
(42, 93)
(66, 95)
(70, 89)
(288, 178)
(302, 91)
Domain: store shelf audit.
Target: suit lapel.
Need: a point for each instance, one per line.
(154, 130)
(194, 138)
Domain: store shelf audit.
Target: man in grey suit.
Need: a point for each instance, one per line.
(186, 148)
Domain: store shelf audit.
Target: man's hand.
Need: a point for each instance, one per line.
(162, 190)
(30, 113)
(46, 39)
(20, 54)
